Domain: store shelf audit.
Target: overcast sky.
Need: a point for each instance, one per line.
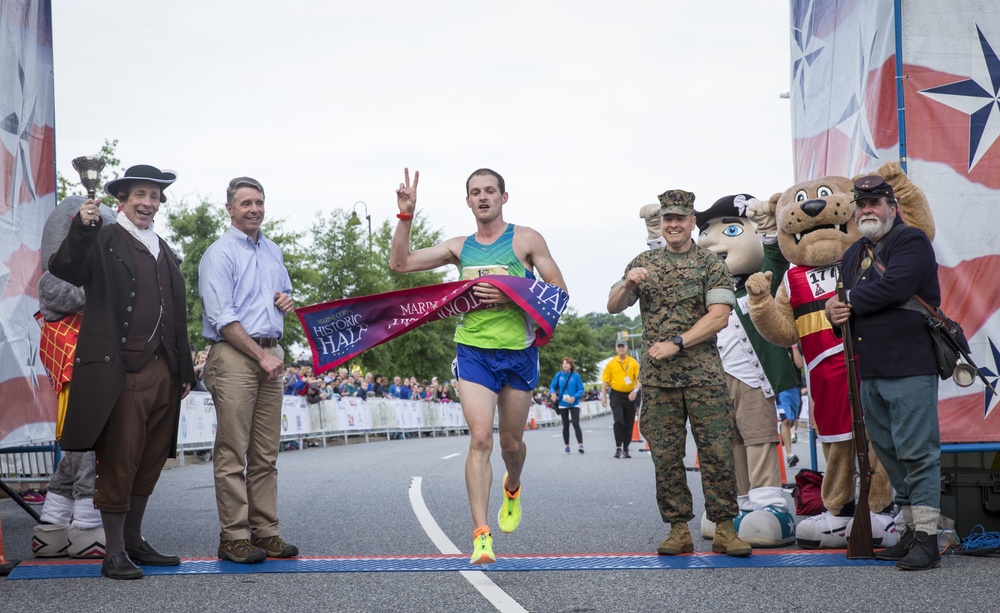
(588, 109)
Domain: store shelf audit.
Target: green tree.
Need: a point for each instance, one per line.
(190, 231)
(428, 350)
(608, 327)
(112, 170)
(573, 338)
(346, 265)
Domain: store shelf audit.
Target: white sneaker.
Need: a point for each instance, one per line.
(768, 527)
(884, 533)
(823, 531)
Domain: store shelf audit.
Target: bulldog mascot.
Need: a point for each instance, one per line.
(70, 525)
(815, 226)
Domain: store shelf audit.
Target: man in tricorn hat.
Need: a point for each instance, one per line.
(883, 271)
(685, 295)
(742, 230)
(133, 363)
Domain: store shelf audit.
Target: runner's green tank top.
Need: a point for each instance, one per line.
(507, 327)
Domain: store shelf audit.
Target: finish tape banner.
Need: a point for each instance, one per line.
(341, 329)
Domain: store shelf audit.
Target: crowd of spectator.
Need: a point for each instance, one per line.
(300, 381)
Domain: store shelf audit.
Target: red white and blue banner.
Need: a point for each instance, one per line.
(27, 197)
(342, 329)
(876, 80)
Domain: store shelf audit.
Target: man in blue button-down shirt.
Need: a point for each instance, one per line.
(245, 289)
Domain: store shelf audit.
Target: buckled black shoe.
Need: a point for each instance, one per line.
(923, 555)
(119, 566)
(148, 556)
(898, 551)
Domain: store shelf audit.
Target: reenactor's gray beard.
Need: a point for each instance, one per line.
(875, 229)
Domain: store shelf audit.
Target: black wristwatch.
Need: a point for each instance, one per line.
(677, 340)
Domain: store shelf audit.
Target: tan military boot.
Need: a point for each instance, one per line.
(678, 542)
(728, 542)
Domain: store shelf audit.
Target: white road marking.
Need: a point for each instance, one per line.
(497, 597)
(448, 457)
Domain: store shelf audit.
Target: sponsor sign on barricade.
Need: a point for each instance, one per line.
(294, 417)
(347, 417)
(198, 422)
(409, 415)
(353, 415)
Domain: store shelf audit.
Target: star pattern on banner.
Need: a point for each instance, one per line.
(15, 131)
(854, 120)
(806, 48)
(977, 97)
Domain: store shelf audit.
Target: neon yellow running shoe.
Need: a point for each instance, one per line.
(482, 549)
(510, 513)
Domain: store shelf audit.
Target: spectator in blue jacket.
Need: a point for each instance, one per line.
(293, 382)
(567, 391)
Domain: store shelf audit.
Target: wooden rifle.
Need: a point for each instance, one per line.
(860, 545)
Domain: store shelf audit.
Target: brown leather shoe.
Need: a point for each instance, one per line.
(241, 552)
(275, 547)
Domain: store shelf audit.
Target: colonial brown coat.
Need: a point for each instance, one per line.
(98, 259)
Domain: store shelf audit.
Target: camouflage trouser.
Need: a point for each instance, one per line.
(664, 413)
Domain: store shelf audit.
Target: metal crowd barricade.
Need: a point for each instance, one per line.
(30, 463)
(348, 420)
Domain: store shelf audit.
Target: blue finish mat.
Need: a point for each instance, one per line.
(451, 563)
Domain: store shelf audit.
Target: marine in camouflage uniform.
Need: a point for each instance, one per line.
(685, 296)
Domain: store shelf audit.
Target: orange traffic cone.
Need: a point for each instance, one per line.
(534, 425)
(636, 437)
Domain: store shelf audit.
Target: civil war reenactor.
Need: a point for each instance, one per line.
(883, 271)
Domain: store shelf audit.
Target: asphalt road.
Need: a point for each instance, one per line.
(355, 500)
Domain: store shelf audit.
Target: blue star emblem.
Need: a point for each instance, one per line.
(977, 97)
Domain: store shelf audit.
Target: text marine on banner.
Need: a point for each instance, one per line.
(341, 329)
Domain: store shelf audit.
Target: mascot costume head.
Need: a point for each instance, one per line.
(815, 225)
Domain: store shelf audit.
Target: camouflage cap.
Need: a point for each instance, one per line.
(676, 202)
(874, 187)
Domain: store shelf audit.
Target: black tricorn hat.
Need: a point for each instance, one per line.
(727, 206)
(142, 172)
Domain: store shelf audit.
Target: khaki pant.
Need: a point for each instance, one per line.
(248, 409)
(756, 437)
